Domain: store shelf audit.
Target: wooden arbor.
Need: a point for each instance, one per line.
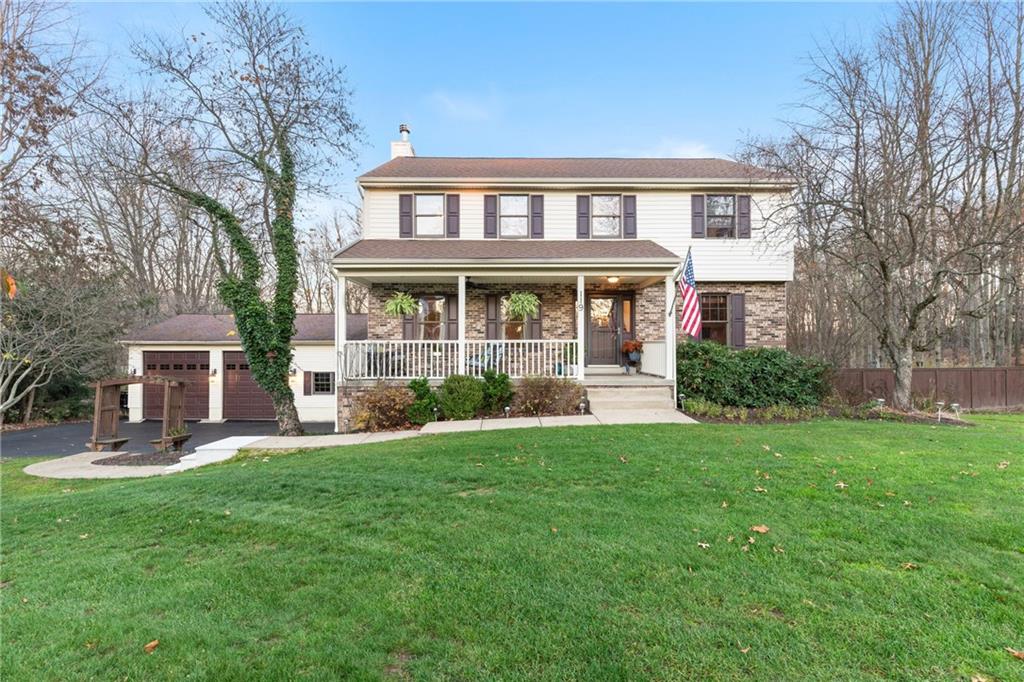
(107, 412)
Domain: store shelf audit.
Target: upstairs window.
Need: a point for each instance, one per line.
(513, 216)
(721, 218)
(606, 216)
(714, 318)
(429, 215)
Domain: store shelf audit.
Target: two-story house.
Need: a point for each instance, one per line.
(598, 240)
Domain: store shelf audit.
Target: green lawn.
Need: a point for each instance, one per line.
(567, 553)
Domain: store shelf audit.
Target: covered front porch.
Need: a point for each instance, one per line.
(587, 310)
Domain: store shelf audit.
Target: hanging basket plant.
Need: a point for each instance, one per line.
(522, 304)
(400, 304)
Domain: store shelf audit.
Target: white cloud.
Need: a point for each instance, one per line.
(673, 147)
(465, 106)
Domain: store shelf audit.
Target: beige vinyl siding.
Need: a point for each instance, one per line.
(663, 216)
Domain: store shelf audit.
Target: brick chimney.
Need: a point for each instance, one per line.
(402, 147)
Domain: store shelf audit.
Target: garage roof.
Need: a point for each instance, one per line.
(220, 329)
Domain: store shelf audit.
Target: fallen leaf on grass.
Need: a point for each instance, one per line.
(227, 512)
(909, 566)
(842, 485)
(778, 550)
(151, 646)
(979, 678)
(907, 503)
(1016, 654)
(83, 536)
(730, 538)
(1002, 465)
(744, 649)
(703, 545)
(751, 540)
(759, 489)
(766, 448)
(554, 530)
(760, 528)
(745, 548)
(623, 459)
(725, 505)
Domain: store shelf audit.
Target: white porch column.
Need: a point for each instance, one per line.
(135, 390)
(581, 323)
(670, 330)
(462, 324)
(340, 337)
(216, 380)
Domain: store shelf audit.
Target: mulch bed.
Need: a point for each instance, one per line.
(886, 414)
(134, 459)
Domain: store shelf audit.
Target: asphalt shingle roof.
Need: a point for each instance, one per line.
(198, 328)
(492, 249)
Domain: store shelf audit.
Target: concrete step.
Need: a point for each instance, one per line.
(632, 397)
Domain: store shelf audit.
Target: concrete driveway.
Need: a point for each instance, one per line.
(61, 440)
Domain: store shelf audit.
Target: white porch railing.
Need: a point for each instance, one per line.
(439, 359)
(518, 359)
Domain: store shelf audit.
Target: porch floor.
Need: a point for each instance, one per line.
(614, 376)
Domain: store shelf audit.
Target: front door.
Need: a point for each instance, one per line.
(609, 323)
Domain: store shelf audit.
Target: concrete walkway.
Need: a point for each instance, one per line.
(81, 465)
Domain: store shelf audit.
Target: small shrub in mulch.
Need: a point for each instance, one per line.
(135, 459)
(382, 408)
(461, 397)
(547, 396)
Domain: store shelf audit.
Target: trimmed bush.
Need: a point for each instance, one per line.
(754, 377)
(461, 396)
(382, 408)
(537, 396)
(497, 391)
(421, 410)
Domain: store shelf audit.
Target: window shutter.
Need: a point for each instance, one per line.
(583, 216)
(697, 216)
(737, 321)
(408, 327)
(490, 216)
(405, 215)
(451, 219)
(629, 216)
(743, 216)
(535, 325)
(307, 383)
(491, 304)
(537, 216)
(451, 307)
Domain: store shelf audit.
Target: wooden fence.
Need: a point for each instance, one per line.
(972, 387)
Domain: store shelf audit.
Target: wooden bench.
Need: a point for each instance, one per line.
(101, 444)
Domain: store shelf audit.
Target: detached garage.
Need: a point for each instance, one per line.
(204, 350)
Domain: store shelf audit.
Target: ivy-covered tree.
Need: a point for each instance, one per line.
(250, 102)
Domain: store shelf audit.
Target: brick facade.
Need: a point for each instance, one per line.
(765, 304)
(765, 308)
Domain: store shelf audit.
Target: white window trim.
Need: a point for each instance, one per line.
(592, 216)
(416, 215)
(515, 215)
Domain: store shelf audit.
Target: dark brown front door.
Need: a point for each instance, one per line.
(192, 366)
(243, 397)
(609, 323)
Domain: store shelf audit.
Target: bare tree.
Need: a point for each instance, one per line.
(253, 104)
(316, 248)
(897, 187)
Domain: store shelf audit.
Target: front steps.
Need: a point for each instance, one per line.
(633, 397)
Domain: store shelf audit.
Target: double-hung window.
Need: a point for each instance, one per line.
(606, 216)
(323, 382)
(515, 329)
(513, 216)
(429, 215)
(714, 318)
(721, 216)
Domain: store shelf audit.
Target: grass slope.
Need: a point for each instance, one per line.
(536, 554)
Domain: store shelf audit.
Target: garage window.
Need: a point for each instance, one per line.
(323, 382)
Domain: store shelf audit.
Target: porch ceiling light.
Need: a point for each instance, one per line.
(613, 280)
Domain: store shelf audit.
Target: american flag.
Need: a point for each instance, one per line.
(689, 308)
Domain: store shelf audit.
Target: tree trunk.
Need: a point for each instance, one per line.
(27, 417)
(288, 423)
(903, 369)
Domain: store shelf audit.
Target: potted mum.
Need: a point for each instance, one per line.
(633, 350)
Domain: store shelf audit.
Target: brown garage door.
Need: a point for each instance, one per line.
(243, 397)
(192, 366)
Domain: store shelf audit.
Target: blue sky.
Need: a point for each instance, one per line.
(534, 79)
